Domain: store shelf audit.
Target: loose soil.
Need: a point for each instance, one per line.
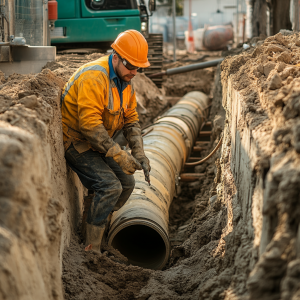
(87, 275)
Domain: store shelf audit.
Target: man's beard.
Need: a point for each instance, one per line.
(126, 77)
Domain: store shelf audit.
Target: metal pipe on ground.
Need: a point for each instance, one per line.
(188, 68)
(139, 230)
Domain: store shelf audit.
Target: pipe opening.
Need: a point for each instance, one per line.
(142, 245)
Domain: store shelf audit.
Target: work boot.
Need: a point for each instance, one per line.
(107, 226)
(86, 206)
(94, 236)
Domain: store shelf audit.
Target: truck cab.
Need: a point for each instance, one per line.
(90, 22)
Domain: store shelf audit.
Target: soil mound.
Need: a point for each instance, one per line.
(87, 275)
(150, 99)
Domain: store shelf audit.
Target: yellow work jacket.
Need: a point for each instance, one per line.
(90, 98)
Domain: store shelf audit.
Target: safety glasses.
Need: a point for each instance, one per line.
(127, 64)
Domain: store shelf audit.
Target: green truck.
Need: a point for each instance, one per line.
(96, 23)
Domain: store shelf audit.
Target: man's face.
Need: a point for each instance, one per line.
(122, 71)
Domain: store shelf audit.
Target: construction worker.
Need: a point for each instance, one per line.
(98, 100)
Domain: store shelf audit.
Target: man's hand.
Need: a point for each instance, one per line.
(124, 159)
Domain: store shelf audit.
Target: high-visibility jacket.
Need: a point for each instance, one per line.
(90, 98)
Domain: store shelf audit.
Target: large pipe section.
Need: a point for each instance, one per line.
(139, 230)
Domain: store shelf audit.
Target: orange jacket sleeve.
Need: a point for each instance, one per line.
(91, 98)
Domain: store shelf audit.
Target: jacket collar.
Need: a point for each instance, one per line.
(113, 75)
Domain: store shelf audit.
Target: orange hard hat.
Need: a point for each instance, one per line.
(132, 46)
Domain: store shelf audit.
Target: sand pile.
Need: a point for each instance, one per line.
(180, 84)
(150, 99)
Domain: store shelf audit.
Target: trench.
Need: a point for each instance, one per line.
(185, 208)
(234, 232)
(84, 275)
(142, 240)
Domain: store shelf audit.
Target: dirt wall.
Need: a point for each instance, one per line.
(261, 154)
(40, 197)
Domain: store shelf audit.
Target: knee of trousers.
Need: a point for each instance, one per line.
(113, 188)
(129, 183)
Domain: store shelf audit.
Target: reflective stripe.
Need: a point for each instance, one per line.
(113, 83)
(77, 75)
(132, 89)
(110, 97)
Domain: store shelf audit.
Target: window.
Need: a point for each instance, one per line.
(111, 4)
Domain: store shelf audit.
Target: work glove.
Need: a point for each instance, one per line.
(132, 133)
(145, 163)
(98, 137)
(124, 159)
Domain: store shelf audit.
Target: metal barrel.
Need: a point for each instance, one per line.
(139, 230)
(217, 37)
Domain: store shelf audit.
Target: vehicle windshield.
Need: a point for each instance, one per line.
(111, 4)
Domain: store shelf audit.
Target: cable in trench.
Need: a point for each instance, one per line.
(196, 163)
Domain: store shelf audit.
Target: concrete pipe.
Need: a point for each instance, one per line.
(139, 230)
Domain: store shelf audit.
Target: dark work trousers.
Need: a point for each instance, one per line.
(112, 187)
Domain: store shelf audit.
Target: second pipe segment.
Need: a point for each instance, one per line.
(188, 68)
(139, 230)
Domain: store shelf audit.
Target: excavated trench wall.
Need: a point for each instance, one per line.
(40, 198)
(261, 170)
